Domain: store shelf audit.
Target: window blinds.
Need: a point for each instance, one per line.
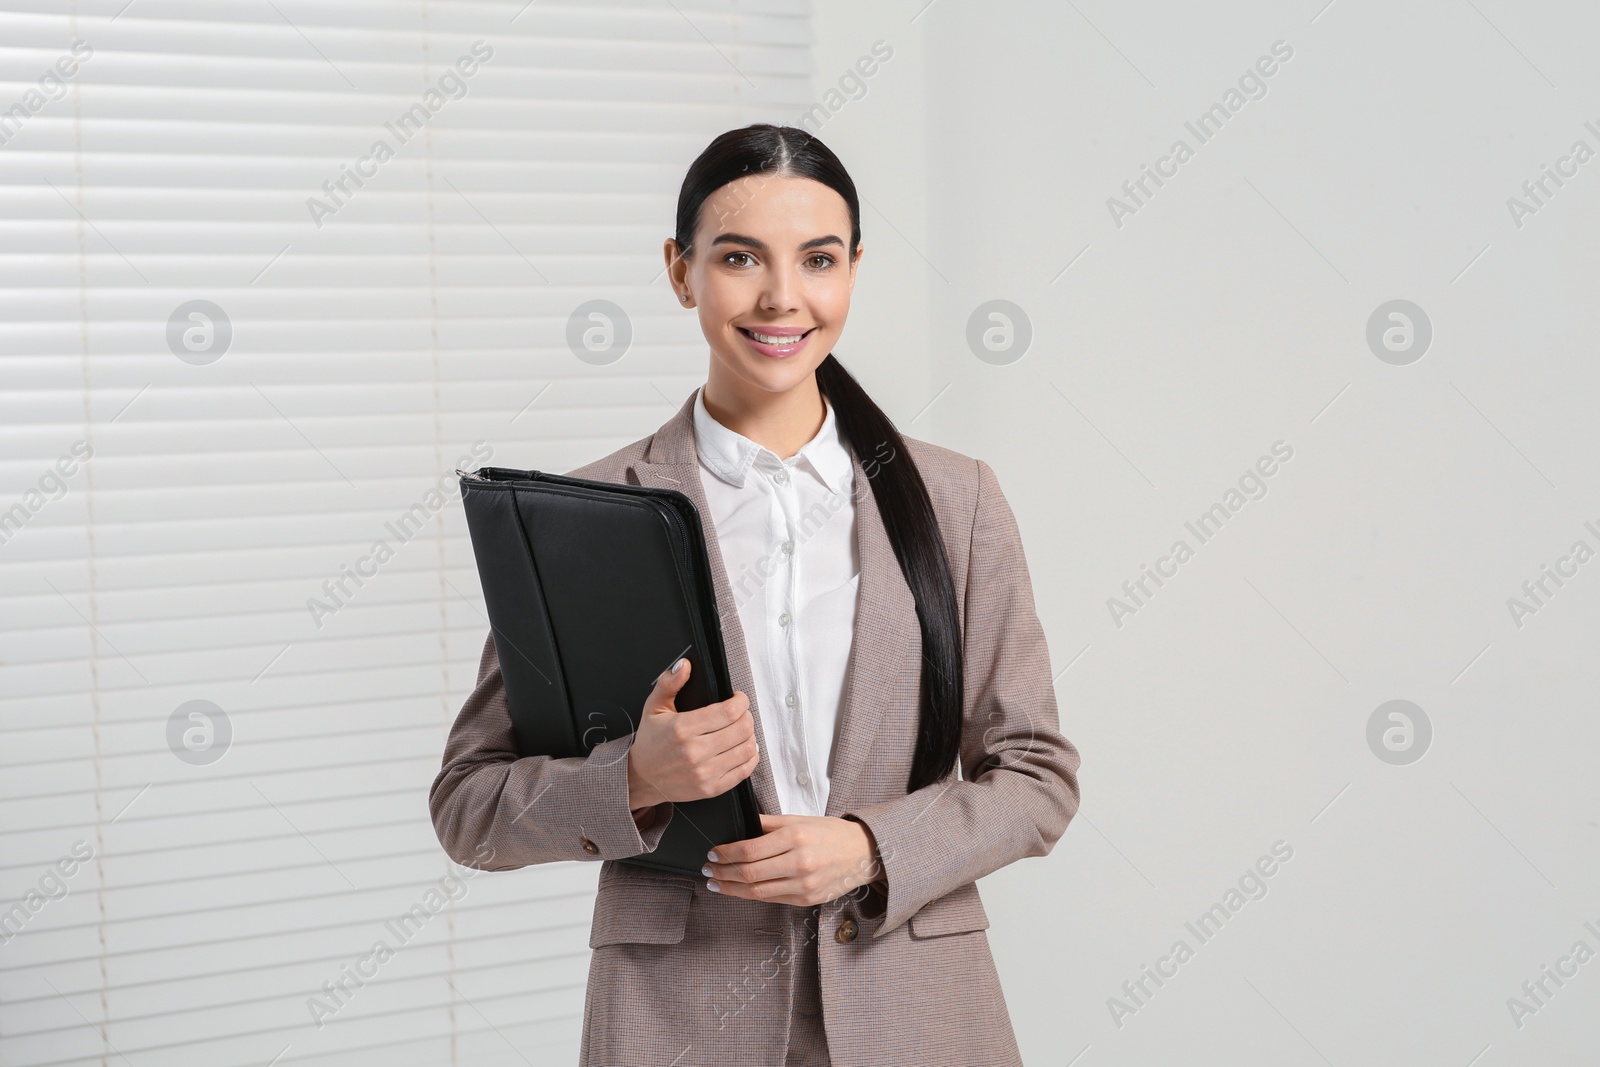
(271, 271)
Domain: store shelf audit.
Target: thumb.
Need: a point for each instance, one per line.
(667, 686)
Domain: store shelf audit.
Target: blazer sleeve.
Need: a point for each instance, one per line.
(1020, 774)
(495, 811)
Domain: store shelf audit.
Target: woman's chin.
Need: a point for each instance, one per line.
(775, 375)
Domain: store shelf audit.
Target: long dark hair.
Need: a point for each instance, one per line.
(897, 485)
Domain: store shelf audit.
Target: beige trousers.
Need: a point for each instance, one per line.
(808, 1040)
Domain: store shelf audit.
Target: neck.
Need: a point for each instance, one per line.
(779, 422)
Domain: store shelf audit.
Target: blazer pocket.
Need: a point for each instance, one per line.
(639, 912)
(957, 912)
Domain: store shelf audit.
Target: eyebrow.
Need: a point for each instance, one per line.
(761, 246)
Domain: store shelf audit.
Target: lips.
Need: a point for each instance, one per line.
(777, 341)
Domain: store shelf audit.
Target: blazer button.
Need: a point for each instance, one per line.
(590, 847)
(846, 931)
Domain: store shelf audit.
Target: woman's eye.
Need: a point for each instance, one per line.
(734, 255)
(826, 261)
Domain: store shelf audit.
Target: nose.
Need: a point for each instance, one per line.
(779, 294)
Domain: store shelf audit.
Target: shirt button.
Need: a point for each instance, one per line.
(783, 620)
(803, 778)
(791, 700)
(788, 547)
(590, 847)
(782, 478)
(847, 931)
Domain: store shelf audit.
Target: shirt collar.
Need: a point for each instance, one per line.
(730, 455)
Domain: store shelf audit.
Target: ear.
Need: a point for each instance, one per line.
(856, 262)
(677, 271)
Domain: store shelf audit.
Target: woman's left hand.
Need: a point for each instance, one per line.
(800, 860)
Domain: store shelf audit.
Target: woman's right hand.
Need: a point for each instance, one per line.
(689, 755)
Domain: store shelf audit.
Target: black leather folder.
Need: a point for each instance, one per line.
(593, 590)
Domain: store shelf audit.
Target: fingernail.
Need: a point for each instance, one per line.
(706, 870)
(675, 665)
(712, 856)
(714, 887)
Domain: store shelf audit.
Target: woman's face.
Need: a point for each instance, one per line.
(770, 277)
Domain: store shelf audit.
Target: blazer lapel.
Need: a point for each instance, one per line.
(672, 463)
(886, 614)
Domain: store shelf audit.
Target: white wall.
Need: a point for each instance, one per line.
(1228, 313)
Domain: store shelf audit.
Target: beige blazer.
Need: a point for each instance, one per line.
(682, 976)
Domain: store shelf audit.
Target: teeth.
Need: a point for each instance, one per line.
(782, 342)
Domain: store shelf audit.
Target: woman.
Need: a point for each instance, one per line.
(894, 702)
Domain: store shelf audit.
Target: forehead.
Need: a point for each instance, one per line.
(769, 207)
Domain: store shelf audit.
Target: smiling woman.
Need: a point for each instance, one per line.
(893, 706)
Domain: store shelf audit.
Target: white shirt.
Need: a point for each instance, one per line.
(786, 529)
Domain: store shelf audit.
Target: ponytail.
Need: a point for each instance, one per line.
(908, 518)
